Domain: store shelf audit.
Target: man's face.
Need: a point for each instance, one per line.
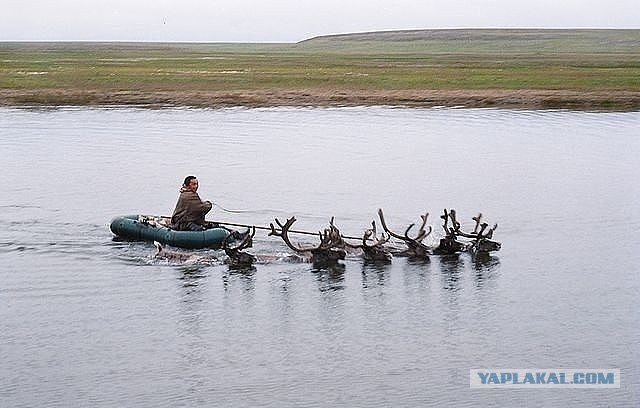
(193, 185)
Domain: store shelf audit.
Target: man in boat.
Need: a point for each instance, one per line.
(190, 209)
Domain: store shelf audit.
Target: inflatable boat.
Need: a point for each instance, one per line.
(156, 228)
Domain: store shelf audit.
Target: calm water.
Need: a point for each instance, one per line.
(88, 321)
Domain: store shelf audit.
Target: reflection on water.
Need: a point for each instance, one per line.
(191, 275)
(486, 271)
(240, 277)
(451, 267)
(92, 320)
(329, 277)
(374, 274)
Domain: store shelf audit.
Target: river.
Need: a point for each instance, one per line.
(86, 320)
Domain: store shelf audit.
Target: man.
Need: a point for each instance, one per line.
(190, 209)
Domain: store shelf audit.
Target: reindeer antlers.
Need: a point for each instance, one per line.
(475, 234)
(237, 258)
(246, 242)
(329, 250)
(415, 246)
(284, 228)
(332, 242)
(421, 231)
(375, 252)
(482, 241)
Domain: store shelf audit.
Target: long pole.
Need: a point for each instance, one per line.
(277, 229)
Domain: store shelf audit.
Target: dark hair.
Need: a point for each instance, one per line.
(187, 180)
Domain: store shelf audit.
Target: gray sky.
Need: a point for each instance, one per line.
(289, 20)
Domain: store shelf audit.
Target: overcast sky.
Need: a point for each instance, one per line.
(290, 20)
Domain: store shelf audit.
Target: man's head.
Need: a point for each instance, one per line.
(191, 183)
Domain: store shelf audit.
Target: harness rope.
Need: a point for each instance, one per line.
(256, 226)
(230, 211)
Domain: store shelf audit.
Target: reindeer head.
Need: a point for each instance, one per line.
(482, 242)
(329, 251)
(486, 245)
(375, 252)
(449, 244)
(237, 258)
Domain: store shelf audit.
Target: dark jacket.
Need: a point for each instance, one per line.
(190, 208)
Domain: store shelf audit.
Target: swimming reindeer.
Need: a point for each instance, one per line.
(415, 247)
(237, 258)
(376, 252)
(482, 242)
(449, 245)
(328, 252)
(181, 256)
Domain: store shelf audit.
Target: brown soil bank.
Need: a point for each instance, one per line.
(518, 99)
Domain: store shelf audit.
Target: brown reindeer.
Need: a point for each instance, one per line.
(375, 252)
(328, 252)
(449, 245)
(415, 247)
(482, 242)
(181, 256)
(237, 258)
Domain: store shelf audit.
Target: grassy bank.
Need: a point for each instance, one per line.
(583, 69)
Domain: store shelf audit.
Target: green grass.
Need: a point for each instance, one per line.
(580, 60)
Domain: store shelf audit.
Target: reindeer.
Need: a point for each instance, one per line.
(237, 258)
(186, 257)
(482, 242)
(376, 252)
(415, 248)
(449, 245)
(328, 252)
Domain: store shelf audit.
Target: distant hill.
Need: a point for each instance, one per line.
(483, 34)
(461, 40)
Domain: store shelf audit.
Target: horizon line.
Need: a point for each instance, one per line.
(314, 36)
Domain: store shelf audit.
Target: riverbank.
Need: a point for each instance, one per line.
(480, 98)
(529, 69)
